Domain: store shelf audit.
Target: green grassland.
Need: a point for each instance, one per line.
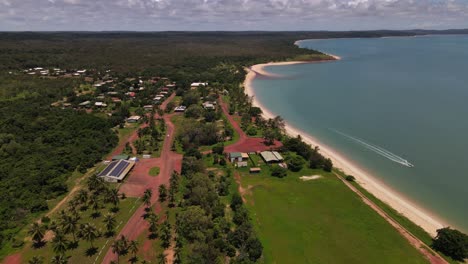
(154, 171)
(319, 221)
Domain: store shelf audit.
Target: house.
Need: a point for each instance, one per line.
(238, 156)
(157, 98)
(116, 170)
(133, 119)
(180, 108)
(271, 156)
(148, 107)
(85, 104)
(100, 104)
(208, 106)
(195, 85)
(255, 170)
(242, 164)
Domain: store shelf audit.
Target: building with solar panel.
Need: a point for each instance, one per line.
(117, 170)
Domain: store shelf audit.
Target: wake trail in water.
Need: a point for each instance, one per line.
(379, 150)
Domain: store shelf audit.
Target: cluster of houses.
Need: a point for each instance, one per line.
(41, 71)
(241, 159)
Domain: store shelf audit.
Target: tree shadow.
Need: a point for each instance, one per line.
(133, 260)
(39, 244)
(91, 251)
(109, 234)
(152, 236)
(73, 245)
(95, 215)
(115, 209)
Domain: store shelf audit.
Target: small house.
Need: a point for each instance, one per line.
(148, 107)
(180, 109)
(255, 170)
(238, 156)
(208, 106)
(195, 85)
(133, 119)
(271, 156)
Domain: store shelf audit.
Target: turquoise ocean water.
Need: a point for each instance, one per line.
(388, 103)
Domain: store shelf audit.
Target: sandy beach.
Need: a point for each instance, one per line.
(399, 202)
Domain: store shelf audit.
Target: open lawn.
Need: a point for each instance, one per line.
(319, 221)
(154, 171)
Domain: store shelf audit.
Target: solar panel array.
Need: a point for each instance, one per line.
(115, 168)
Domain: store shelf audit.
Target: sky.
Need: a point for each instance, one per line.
(230, 15)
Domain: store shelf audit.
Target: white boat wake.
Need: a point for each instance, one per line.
(381, 151)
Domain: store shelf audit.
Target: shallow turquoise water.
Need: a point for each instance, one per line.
(407, 96)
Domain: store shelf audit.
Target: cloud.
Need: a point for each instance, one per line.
(229, 14)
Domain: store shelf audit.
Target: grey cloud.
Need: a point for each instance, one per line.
(229, 14)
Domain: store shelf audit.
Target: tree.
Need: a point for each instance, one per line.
(59, 243)
(95, 182)
(153, 224)
(109, 222)
(296, 163)
(90, 233)
(328, 165)
(36, 260)
(70, 225)
(236, 201)
(162, 193)
(95, 204)
(452, 243)
(133, 248)
(166, 234)
(254, 248)
(269, 136)
(112, 197)
(147, 198)
(37, 231)
(60, 259)
(218, 149)
(162, 258)
(120, 247)
(279, 172)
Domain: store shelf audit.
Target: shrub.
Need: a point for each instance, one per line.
(252, 131)
(350, 178)
(296, 163)
(279, 172)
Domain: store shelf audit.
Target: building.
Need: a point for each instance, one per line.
(133, 119)
(255, 170)
(120, 157)
(116, 170)
(238, 156)
(148, 107)
(208, 106)
(195, 85)
(180, 108)
(100, 104)
(85, 104)
(271, 156)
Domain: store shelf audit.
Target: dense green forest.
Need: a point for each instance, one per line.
(41, 146)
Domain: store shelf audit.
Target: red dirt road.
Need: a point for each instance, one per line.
(245, 143)
(140, 180)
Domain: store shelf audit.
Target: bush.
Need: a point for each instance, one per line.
(296, 163)
(218, 149)
(252, 131)
(452, 243)
(350, 178)
(279, 172)
(45, 219)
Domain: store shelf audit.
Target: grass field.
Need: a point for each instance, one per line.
(154, 171)
(320, 221)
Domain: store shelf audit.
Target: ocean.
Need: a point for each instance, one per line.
(397, 107)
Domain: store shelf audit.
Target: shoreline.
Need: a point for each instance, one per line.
(425, 219)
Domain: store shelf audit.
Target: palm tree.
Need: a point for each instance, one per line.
(166, 234)
(162, 258)
(120, 247)
(36, 260)
(153, 224)
(133, 248)
(59, 243)
(70, 225)
(162, 193)
(113, 197)
(95, 204)
(37, 232)
(60, 259)
(147, 197)
(90, 233)
(109, 221)
(95, 182)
